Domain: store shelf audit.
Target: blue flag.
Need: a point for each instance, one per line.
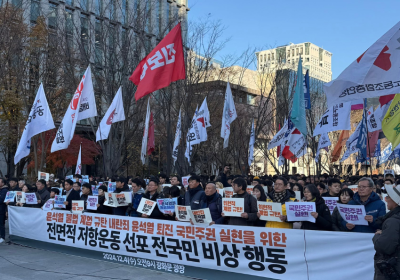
(386, 153)
(307, 98)
(378, 149)
(362, 139)
(298, 114)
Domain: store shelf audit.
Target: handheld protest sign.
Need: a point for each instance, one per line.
(353, 214)
(221, 192)
(92, 202)
(85, 178)
(201, 216)
(77, 206)
(331, 202)
(95, 190)
(250, 189)
(20, 197)
(300, 211)
(59, 201)
(146, 206)
(354, 188)
(233, 207)
(298, 195)
(270, 211)
(167, 205)
(43, 175)
(48, 206)
(228, 191)
(31, 198)
(10, 197)
(182, 213)
(185, 181)
(112, 186)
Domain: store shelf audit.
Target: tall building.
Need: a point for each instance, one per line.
(317, 60)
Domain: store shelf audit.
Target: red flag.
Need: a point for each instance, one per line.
(151, 144)
(386, 99)
(163, 65)
(372, 140)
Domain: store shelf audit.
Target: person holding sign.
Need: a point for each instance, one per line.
(280, 195)
(259, 194)
(122, 186)
(42, 192)
(195, 196)
(374, 206)
(345, 195)
(152, 194)
(32, 190)
(323, 220)
(101, 208)
(86, 191)
(71, 194)
(214, 203)
(3, 209)
(249, 216)
(138, 186)
(386, 241)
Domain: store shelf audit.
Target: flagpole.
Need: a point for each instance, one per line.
(366, 126)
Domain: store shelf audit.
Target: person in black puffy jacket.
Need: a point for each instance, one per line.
(323, 220)
(152, 194)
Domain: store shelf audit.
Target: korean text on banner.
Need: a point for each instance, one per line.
(270, 211)
(201, 216)
(167, 205)
(182, 213)
(233, 207)
(353, 214)
(331, 202)
(92, 202)
(146, 206)
(300, 211)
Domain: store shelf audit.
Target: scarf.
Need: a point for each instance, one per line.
(278, 197)
(210, 198)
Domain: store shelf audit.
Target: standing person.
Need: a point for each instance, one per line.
(42, 191)
(249, 216)
(333, 188)
(374, 206)
(101, 209)
(70, 193)
(121, 186)
(323, 220)
(345, 195)
(214, 203)
(162, 177)
(25, 189)
(3, 209)
(86, 191)
(224, 175)
(138, 186)
(280, 195)
(195, 196)
(152, 194)
(259, 195)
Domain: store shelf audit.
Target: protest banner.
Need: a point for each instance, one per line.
(288, 254)
(30, 198)
(228, 192)
(233, 207)
(353, 214)
(167, 205)
(298, 195)
(182, 213)
(270, 211)
(146, 206)
(112, 186)
(300, 211)
(77, 206)
(59, 201)
(221, 192)
(354, 188)
(43, 176)
(85, 178)
(92, 202)
(10, 197)
(331, 202)
(250, 189)
(118, 199)
(185, 181)
(49, 204)
(201, 216)
(20, 197)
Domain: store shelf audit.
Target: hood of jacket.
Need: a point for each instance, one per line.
(141, 191)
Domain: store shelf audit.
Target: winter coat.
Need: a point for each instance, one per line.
(323, 221)
(156, 214)
(44, 196)
(387, 244)
(290, 197)
(73, 195)
(136, 197)
(374, 206)
(102, 209)
(121, 210)
(337, 221)
(196, 198)
(224, 179)
(3, 206)
(215, 206)
(250, 207)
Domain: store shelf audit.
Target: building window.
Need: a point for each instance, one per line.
(84, 5)
(98, 7)
(159, 18)
(35, 10)
(273, 56)
(84, 32)
(98, 44)
(265, 57)
(167, 13)
(269, 57)
(52, 15)
(69, 2)
(69, 23)
(292, 52)
(288, 53)
(124, 10)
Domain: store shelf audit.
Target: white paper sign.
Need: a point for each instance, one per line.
(233, 207)
(20, 197)
(220, 191)
(298, 195)
(185, 181)
(265, 189)
(384, 195)
(354, 188)
(146, 206)
(10, 197)
(201, 216)
(182, 213)
(300, 211)
(250, 189)
(59, 201)
(48, 206)
(118, 199)
(270, 211)
(228, 192)
(43, 175)
(331, 202)
(78, 206)
(30, 198)
(92, 202)
(353, 214)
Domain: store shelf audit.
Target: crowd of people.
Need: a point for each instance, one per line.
(202, 192)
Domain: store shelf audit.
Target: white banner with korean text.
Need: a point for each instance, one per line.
(266, 252)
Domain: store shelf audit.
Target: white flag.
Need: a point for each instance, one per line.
(39, 120)
(115, 113)
(373, 119)
(84, 101)
(203, 112)
(335, 118)
(78, 169)
(188, 151)
(278, 138)
(251, 144)
(194, 135)
(145, 134)
(297, 143)
(228, 115)
(352, 143)
(373, 73)
(178, 135)
(323, 142)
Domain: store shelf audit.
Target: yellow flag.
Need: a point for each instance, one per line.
(391, 122)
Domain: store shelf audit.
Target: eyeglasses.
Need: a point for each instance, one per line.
(362, 187)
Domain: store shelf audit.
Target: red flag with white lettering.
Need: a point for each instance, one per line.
(163, 65)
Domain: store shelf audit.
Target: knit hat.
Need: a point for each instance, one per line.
(394, 193)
